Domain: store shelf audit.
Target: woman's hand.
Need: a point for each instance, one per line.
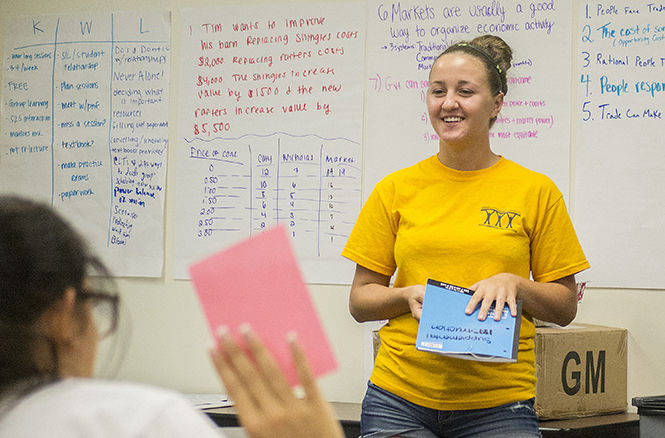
(372, 298)
(414, 296)
(501, 289)
(264, 400)
(554, 301)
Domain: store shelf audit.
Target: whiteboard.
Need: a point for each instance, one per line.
(85, 127)
(270, 130)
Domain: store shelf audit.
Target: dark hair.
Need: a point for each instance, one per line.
(40, 257)
(495, 54)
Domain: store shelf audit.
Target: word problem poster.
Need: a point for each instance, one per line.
(270, 130)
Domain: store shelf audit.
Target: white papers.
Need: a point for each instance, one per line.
(209, 401)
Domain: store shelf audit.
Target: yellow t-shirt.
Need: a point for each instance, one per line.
(431, 221)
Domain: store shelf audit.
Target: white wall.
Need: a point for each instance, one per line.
(170, 338)
(169, 335)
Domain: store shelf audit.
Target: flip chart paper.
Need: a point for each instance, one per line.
(85, 126)
(258, 281)
(270, 130)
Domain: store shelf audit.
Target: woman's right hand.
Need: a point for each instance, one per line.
(414, 296)
(373, 299)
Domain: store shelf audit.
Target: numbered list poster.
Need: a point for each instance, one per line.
(620, 87)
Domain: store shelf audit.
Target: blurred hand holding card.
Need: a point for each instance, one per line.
(258, 281)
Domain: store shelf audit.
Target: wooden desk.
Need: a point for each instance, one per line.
(602, 426)
(347, 413)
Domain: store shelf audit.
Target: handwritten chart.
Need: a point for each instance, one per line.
(85, 127)
(620, 86)
(270, 130)
(403, 40)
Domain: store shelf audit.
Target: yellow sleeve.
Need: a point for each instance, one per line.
(555, 249)
(372, 240)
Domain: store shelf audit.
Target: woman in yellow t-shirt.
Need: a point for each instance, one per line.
(469, 217)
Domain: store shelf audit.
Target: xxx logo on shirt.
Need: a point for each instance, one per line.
(498, 219)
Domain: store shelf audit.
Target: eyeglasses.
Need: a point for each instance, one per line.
(104, 309)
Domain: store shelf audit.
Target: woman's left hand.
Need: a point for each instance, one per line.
(502, 289)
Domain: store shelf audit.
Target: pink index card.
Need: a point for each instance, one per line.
(258, 281)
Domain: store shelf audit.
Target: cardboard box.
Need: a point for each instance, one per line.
(581, 371)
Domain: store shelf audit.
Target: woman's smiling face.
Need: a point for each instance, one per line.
(460, 102)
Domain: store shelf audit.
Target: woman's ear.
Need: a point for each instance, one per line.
(498, 104)
(59, 320)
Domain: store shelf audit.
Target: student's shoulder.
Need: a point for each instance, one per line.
(162, 412)
(79, 406)
(132, 393)
(98, 397)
